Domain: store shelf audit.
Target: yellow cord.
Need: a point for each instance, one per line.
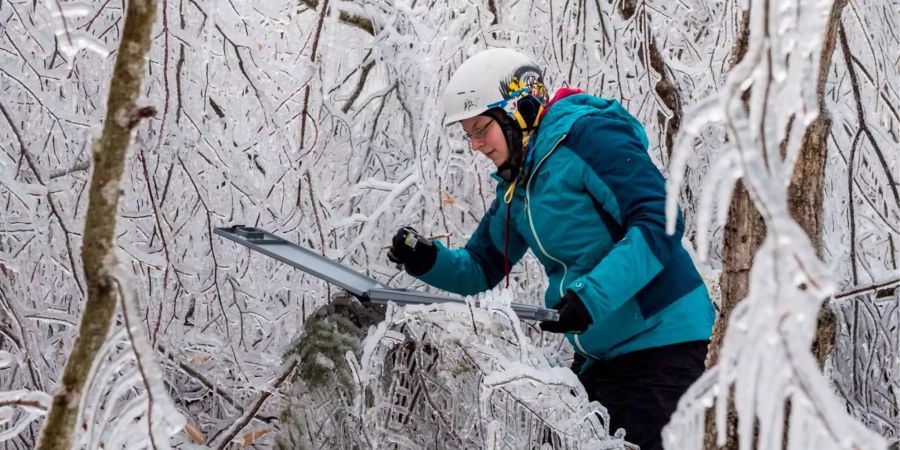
(508, 196)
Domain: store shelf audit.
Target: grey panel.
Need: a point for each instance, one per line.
(361, 286)
(299, 257)
(405, 297)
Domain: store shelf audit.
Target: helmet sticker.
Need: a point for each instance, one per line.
(524, 77)
(526, 82)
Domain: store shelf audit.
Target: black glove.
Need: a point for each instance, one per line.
(413, 251)
(573, 316)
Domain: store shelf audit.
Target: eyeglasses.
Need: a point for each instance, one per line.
(478, 132)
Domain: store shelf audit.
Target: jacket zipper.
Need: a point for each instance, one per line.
(531, 222)
(541, 246)
(581, 349)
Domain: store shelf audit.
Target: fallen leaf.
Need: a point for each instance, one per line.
(194, 433)
(251, 437)
(447, 199)
(200, 358)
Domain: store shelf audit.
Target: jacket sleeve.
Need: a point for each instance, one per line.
(619, 174)
(479, 265)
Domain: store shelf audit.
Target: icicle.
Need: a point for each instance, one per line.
(765, 353)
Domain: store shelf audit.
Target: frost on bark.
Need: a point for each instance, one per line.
(764, 107)
(97, 250)
(745, 230)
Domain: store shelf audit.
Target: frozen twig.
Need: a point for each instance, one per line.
(244, 420)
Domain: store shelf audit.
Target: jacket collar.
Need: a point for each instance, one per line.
(562, 111)
(566, 110)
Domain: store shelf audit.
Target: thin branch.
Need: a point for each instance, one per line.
(77, 167)
(312, 199)
(200, 378)
(165, 74)
(860, 112)
(65, 24)
(127, 322)
(312, 57)
(32, 404)
(24, 155)
(157, 215)
(867, 288)
(359, 86)
(212, 250)
(360, 22)
(50, 111)
(245, 419)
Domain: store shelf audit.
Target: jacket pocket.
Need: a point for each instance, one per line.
(612, 330)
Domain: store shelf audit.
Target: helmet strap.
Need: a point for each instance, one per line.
(528, 112)
(509, 170)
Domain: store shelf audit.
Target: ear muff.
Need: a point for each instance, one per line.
(528, 112)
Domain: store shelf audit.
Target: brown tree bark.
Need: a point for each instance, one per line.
(745, 229)
(122, 115)
(806, 204)
(744, 233)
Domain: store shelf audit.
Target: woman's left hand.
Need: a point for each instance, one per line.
(574, 317)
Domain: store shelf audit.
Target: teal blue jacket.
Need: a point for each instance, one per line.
(593, 212)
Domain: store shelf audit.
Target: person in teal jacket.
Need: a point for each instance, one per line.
(576, 185)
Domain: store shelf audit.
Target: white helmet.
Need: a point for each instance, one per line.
(496, 78)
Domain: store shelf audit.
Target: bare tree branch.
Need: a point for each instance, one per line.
(245, 419)
(360, 22)
(866, 289)
(109, 158)
(860, 111)
(312, 57)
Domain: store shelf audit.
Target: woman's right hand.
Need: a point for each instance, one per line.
(412, 250)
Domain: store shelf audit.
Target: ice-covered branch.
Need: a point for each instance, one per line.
(97, 253)
(162, 418)
(31, 405)
(126, 402)
(767, 103)
(861, 114)
(36, 400)
(498, 372)
(232, 431)
(866, 289)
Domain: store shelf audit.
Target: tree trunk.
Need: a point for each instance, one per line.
(744, 234)
(122, 115)
(805, 196)
(806, 204)
(746, 229)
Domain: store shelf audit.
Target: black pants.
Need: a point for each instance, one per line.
(641, 389)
